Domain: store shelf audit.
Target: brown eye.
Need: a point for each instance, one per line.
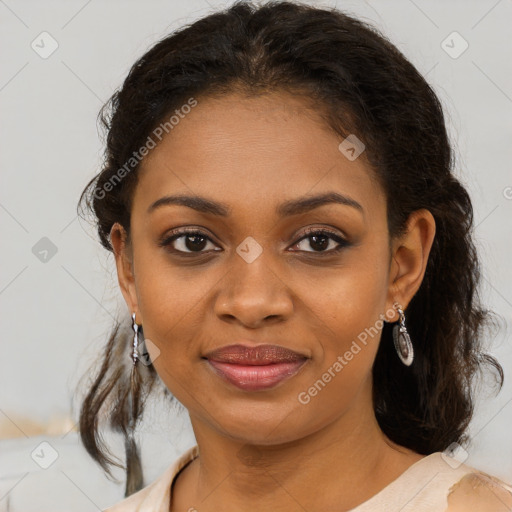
(188, 242)
(322, 241)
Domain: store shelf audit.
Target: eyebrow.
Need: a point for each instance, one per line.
(288, 208)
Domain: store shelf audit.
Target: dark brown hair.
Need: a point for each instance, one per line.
(363, 85)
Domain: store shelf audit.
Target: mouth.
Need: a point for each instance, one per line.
(255, 368)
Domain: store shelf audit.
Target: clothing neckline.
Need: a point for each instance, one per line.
(406, 480)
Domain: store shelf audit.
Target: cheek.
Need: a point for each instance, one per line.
(345, 308)
(348, 325)
(169, 295)
(168, 304)
(347, 300)
(348, 330)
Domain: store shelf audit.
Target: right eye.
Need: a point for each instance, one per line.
(186, 242)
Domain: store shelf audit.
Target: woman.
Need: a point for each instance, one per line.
(296, 255)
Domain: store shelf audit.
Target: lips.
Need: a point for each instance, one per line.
(255, 368)
(259, 355)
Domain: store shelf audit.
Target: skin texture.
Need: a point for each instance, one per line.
(265, 450)
(478, 491)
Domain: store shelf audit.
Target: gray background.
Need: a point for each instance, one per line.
(57, 308)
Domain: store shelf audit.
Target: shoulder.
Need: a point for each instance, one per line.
(131, 503)
(479, 491)
(155, 497)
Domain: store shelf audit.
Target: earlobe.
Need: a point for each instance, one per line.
(409, 257)
(124, 265)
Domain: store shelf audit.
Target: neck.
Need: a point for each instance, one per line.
(349, 459)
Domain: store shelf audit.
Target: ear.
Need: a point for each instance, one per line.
(409, 256)
(124, 263)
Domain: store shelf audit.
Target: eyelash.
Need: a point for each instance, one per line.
(174, 235)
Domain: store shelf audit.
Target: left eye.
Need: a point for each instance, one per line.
(320, 241)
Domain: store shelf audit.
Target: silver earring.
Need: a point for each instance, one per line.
(135, 327)
(134, 480)
(401, 338)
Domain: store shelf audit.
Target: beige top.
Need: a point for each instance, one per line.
(435, 483)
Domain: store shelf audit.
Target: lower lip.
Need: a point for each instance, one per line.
(254, 378)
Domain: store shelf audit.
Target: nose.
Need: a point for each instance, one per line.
(253, 294)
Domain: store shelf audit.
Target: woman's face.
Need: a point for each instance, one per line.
(255, 277)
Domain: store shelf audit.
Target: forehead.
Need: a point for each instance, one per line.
(255, 151)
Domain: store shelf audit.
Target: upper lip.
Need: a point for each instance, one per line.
(254, 355)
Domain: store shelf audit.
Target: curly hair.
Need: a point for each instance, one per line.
(363, 85)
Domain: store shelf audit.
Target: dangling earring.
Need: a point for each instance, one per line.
(135, 354)
(134, 480)
(401, 338)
